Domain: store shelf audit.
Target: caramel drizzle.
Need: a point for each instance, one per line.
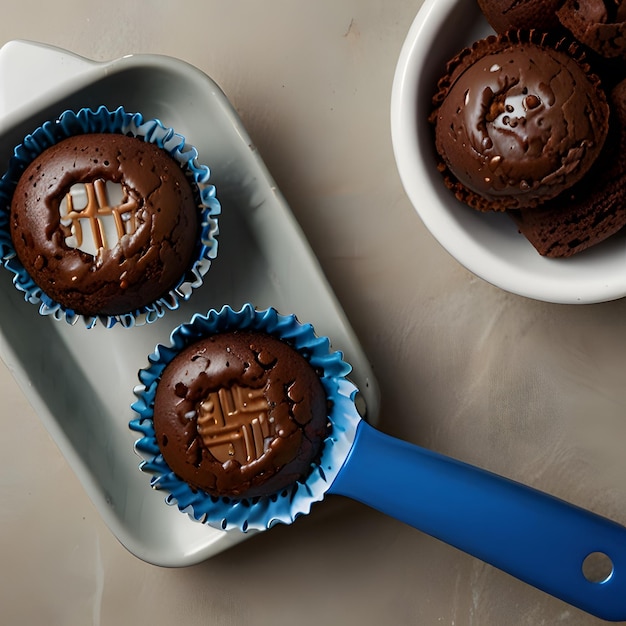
(98, 206)
(233, 423)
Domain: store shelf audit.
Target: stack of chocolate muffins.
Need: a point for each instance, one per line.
(532, 120)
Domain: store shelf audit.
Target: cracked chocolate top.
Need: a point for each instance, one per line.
(240, 414)
(517, 123)
(104, 223)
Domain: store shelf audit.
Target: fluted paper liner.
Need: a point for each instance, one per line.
(102, 120)
(262, 512)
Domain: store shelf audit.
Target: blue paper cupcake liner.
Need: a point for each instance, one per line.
(263, 512)
(103, 120)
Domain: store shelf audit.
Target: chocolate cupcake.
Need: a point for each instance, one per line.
(240, 414)
(110, 217)
(598, 24)
(518, 119)
(504, 15)
(595, 208)
(246, 418)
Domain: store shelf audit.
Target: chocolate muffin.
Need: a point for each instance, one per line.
(504, 15)
(240, 414)
(592, 210)
(599, 24)
(518, 119)
(104, 223)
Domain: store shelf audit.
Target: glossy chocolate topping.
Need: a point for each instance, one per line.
(104, 223)
(240, 414)
(519, 123)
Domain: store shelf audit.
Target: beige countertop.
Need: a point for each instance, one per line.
(530, 390)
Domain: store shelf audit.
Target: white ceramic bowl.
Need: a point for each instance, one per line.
(488, 245)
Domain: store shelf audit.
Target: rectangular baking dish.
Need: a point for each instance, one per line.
(80, 380)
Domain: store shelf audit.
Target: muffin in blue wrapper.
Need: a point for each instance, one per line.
(256, 512)
(107, 217)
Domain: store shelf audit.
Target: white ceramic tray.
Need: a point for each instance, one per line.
(488, 244)
(80, 381)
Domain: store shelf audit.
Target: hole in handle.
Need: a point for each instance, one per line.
(597, 567)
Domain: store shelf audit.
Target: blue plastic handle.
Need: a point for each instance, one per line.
(529, 534)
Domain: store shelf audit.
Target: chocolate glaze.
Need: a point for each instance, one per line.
(147, 260)
(240, 414)
(517, 123)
